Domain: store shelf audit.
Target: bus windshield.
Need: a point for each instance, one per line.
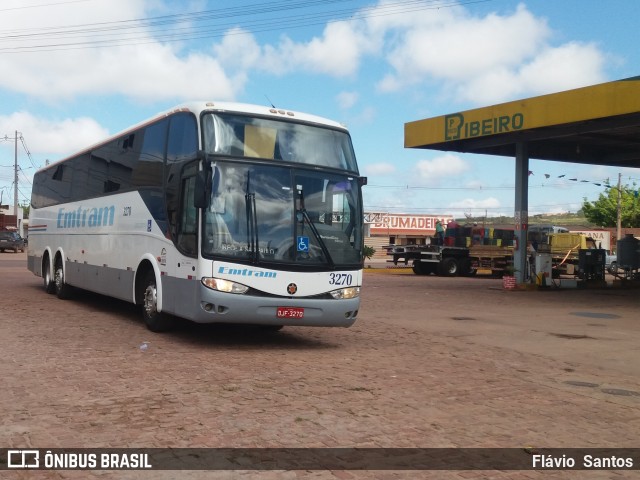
(271, 214)
(256, 137)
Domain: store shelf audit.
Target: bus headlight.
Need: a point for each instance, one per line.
(344, 293)
(224, 285)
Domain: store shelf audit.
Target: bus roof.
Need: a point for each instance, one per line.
(198, 107)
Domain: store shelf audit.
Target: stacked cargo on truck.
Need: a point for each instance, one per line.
(467, 250)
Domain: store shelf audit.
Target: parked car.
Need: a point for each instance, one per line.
(611, 263)
(11, 241)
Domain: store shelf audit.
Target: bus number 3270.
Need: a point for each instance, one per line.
(340, 279)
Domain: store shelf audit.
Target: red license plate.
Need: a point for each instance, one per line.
(290, 312)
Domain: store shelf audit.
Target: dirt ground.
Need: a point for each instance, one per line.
(430, 362)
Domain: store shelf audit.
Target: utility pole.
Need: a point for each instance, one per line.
(15, 169)
(15, 177)
(619, 216)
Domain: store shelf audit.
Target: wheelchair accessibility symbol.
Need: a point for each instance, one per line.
(303, 244)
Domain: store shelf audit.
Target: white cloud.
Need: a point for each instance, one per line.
(460, 46)
(572, 65)
(239, 40)
(346, 100)
(447, 165)
(146, 70)
(480, 59)
(365, 116)
(46, 139)
(337, 52)
(379, 169)
(477, 207)
(472, 203)
(489, 59)
(53, 137)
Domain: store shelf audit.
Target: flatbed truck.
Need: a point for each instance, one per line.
(450, 261)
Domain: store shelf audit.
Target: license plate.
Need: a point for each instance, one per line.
(290, 312)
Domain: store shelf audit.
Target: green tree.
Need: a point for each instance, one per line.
(604, 211)
(368, 252)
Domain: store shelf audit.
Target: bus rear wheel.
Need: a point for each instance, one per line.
(49, 284)
(154, 320)
(63, 291)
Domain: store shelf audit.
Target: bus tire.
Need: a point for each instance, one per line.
(154, 320)
(49, 284)
(63, 291)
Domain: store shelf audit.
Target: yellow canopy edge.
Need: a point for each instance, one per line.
(583, 104)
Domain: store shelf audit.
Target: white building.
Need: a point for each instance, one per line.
(9, 221)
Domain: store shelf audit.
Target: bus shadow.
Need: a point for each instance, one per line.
(188, 333)
(247, 336)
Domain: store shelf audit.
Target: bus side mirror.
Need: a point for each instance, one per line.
(202, 190)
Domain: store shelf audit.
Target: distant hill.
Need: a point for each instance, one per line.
(560, 219)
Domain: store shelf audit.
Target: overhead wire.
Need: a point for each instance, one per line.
(141, 31)
(483, 187)
(21, 171)
(388, 208)
(24, 7)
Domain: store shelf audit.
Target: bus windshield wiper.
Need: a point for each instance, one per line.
(305, 214)
(252, 222)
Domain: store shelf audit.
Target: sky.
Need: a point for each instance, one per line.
(73, 72)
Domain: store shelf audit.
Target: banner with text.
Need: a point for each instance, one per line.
(408, 224)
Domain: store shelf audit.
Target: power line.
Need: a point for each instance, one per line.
(26, 149)
(14, 184)
(573, 183)
(42, 5)
(138, 31)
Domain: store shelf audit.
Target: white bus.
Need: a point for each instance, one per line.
(213, 212)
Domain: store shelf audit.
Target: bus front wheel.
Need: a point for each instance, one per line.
(153, 319)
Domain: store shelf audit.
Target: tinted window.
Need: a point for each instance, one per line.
(183, 138)
(131, 161)
(280, 140)
(52, 186)
(150, 165)
(182, 146)
(187, 232)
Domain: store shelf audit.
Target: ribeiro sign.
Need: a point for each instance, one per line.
(456, 128)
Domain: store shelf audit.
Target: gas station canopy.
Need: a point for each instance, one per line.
(599, 125)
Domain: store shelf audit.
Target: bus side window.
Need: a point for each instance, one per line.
(182, 145)
(187, 232)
